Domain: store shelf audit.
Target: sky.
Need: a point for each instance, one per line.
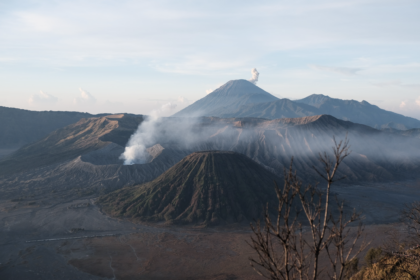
(114, 56)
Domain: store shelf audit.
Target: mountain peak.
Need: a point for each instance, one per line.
(239, 88)
(229, 96)
(315, 100)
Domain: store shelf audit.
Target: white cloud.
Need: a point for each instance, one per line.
(393, 68)
(37, 22)
(182, 100)
(85, 98)
(168, 107)
(338, 70)
(403, 104)
(387, 83)
(42, 99)
(418, 101)
(208, 91)
(397, 83)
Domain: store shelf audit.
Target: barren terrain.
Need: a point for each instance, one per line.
(62, 237)
(51, 227)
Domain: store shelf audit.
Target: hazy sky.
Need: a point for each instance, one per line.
(135, 56)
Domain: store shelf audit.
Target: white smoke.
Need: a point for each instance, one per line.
(255, 75)
(145, 136)
(135, 151)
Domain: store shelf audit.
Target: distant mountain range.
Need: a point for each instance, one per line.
(377, 155)
(241, 98)
(235, 99)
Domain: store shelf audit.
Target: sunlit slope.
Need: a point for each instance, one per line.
(72, 141)
(208, 187)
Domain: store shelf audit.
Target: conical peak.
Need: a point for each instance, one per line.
(238, 81)
(228, 97)
(238, 87)
(208, 187)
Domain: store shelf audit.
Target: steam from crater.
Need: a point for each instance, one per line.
(145, 136)
(255, 75)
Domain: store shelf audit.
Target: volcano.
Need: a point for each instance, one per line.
(243, 99)
(228, 97)
(207, 188)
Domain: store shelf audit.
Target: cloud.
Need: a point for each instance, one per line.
(412, 86)
(397, 83)
(201, 64)
(387, 83)
(37, 22)
(183, 101)
(168, 107)
(42, 98)
(410, 105)
(85, 98)
(338, 70)
(208, 91)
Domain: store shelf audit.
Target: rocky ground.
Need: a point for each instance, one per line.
(63, 237)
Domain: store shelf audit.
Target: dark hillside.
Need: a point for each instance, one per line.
(72, 141)
(20, 127)
(208, 188)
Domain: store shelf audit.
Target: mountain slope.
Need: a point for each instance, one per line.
(20, 127)
(229, 96)
(358, 112)
(205, 187)
(282, 108)
(72, 141)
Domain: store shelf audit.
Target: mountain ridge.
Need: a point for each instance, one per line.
(20, 127)
(241, 98)
(71, 141)
(361, 112)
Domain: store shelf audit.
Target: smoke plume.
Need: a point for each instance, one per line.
(152, 129)
(255, 75)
